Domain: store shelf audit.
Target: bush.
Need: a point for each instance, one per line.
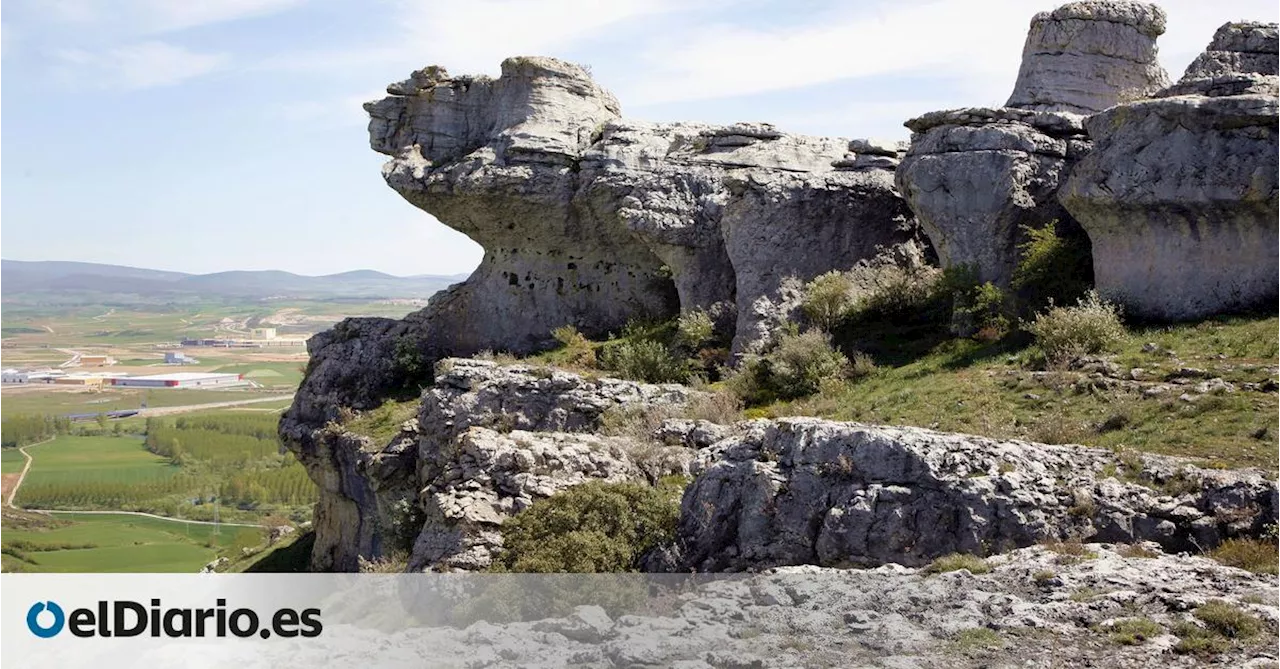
(694, 329)
(1134, 631)
(980, 310)
(1228, 620)
(901, 294)
(591, 528)
(1257, 556)
(577, 348)
(1051, 268)
(1066, 333)
(644, 360)
(795, 368)
(827, 299)
(956, 562)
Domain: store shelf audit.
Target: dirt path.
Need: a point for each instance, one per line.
(168, 411)
(25, 468)
(146, 515)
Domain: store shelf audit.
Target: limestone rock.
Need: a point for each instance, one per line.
(808, 491)
(1086, 56)
(1179, 196)
(487, 440)
(976, 177)
(583, 215)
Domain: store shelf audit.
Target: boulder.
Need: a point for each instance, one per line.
(976, 177)
(486, 441)
(808, 491)
(1086, 56)
(1179, 196)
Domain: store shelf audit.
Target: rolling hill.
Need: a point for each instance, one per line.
(77, 282)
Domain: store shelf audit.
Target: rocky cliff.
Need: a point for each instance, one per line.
(1179, 195)
(977, 177)
(590, 220)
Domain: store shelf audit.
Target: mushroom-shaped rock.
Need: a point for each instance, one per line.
(977, 178)
(1086, 56)
(1179, 195)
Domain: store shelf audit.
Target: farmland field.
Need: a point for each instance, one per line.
(120, 543)
(11, 461)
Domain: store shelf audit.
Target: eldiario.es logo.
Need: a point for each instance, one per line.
(123, 618)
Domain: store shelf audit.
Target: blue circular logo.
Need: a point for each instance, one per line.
(33, 619)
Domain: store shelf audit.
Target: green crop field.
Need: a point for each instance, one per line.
(11, 461)
(96, 472)
(120, 543)
(56, 402)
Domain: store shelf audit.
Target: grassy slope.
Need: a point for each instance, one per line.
(965, 386)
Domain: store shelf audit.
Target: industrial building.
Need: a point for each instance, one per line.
(182, 380)
(175, 358)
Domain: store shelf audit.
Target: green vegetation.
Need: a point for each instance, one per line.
(1066, 333)
(382, 423)
(591, 528)
(956, 562)
(11, 461)
(1052, 268)
(798, 366)
(1229, 620)
(828, 299)
(1134, 631)
(180, 469)
(1256, 555)
(119, 543)
(23, 429)
(979, 638)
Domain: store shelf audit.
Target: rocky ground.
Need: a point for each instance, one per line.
(1081, 605)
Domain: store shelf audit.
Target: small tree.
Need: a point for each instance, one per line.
(827, 299)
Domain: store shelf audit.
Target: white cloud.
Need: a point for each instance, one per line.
(140, 17)
(474, 36)
(137, 66)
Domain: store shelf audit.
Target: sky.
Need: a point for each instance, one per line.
(211, 135)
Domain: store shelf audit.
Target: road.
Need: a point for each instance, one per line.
(146, 515)
(168, 411)
(26, 466)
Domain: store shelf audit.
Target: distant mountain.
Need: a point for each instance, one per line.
(77, 282)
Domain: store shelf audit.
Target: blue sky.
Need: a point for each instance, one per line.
(207, 135)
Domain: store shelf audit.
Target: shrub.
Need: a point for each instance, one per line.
(577, 348)
(956, 562)
(1133, 631)
(694, 329)
(1195, 640)
(1257, 556)
(1051, 268)
(796, 367)
(901, 294)
(1228, 620)
(1065, 333)
(590, 528)
(827, 299)
(981, 311)
(644, 360)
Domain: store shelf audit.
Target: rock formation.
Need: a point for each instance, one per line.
(975, 177)
(592, 221)
(1179, 196)
(486, 441)
(809, 491)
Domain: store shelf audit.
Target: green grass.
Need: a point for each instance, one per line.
(270, 374)
(927, 379)
(956, 562)
(57, 402)
(383, 423)
(11, 461)
(122, 543)
(95, 458)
